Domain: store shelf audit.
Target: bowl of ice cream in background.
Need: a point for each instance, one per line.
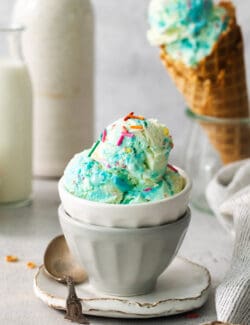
(122, 202)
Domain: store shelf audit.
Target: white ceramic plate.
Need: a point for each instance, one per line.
(184, 286)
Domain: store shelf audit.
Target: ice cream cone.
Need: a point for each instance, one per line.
(217, 87)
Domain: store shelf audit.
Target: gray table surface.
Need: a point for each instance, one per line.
(25, 232)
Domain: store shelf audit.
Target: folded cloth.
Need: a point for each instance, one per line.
(226, 183)
(228, 195)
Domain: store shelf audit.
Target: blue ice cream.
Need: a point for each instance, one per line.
(187, 28)
(128, 164)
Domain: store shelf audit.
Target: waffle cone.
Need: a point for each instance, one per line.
(217, 87)
(230, 139)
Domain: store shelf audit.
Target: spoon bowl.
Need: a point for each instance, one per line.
(59, 263)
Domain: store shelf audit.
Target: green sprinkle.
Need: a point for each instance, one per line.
(94, 148)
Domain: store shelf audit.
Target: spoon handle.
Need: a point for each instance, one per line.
(73, 304)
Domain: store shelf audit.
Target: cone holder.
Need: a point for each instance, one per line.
(211, 143)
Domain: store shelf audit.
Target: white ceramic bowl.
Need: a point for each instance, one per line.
(124, 261)
(128, 216)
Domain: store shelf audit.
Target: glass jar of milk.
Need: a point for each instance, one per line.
(15, 121)
(58, 48)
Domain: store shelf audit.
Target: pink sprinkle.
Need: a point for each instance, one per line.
(104, 135)
(127, 134)
(172, 168)
(108, 166)
(120, 141)
(148, 189)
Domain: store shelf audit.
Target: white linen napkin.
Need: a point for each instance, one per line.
(228, 195)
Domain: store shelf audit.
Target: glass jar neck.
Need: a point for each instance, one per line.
(10, 43)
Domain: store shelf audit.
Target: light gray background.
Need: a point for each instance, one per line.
(129, 74)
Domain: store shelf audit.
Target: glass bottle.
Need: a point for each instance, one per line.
(212, 143)
(58, 48)
(15, 121)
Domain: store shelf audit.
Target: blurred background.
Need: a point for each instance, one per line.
(129, 74)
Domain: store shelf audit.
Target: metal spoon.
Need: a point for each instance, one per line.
(61, 266)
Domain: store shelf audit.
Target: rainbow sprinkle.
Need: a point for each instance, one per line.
(172, 168)
(132, 116)
(136, 127)
(148, 189)
(104, 135)
(128, 116)
(166, 132)
(129, 135)
(124, 134)
(94, 148)
(128, 150)
(120, 141)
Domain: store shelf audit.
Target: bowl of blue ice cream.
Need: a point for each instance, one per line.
(124, 209)
(125, 179)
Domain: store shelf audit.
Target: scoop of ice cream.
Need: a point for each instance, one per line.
(128, 164)
(171, 16)
(140, 146)
(188, 28)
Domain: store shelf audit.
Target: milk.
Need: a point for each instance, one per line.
(58, 48)
(15, 131)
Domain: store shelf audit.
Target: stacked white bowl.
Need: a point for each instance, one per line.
(125, 248)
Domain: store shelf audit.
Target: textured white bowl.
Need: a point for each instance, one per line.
(128, 216)
(124, 261)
